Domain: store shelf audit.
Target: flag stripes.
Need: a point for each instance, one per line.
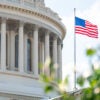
(89, 29)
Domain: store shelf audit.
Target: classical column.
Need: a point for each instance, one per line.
(39, 56)
(55, 55)
(21, 47)
(42, 55)
(59, 60)
(35, 50)
(47, 53)
(3, 44)
(12, 51)
(8, 51)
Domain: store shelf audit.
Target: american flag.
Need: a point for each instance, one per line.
(85, 27)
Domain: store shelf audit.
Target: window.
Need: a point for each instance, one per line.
(29, 68)
(16, 51)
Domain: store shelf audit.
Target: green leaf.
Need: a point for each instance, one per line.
(80, 80)
(45, 79)
(49, 88)
(90, 52)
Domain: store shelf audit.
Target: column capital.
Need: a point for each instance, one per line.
(21, 23)
(60, 42)
(47, 32)
(55, 37)
(36, 27)
(4, 19)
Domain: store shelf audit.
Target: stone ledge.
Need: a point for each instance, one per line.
(14, 73)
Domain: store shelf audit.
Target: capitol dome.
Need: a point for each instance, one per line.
(30, 33)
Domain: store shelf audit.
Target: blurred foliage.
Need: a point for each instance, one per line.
(81, 80)
(53, 84)
(90, 52)
(90, 93)
(93, 91)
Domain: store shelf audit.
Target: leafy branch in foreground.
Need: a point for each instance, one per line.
(90, 93)
(93, 91)
(54, 84)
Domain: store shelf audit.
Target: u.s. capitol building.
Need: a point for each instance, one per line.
(29, 34)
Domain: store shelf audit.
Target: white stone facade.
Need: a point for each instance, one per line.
(30, 33)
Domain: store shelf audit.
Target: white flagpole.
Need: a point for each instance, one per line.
(74, 52)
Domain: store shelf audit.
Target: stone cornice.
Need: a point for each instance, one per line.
(36, 14)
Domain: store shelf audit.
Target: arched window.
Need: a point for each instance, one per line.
(16, 51)
(29, 68)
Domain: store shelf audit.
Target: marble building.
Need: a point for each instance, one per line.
(30, 32)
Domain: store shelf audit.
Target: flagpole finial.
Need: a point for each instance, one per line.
(74, 12)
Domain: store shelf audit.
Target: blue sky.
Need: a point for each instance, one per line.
(65, 7)
(86, 9)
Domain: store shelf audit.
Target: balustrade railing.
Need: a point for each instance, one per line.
(32, 5)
